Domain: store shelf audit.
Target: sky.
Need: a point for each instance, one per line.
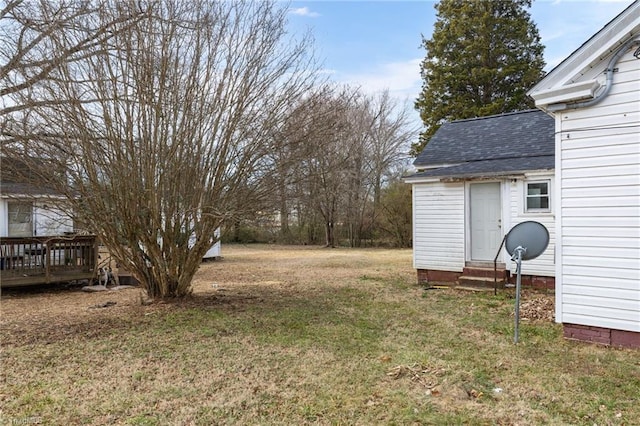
(376, 44)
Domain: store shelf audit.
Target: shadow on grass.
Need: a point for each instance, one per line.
(280, 316)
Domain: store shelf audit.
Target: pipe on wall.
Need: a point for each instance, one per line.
(608, 83)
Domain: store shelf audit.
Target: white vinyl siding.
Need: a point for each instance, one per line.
(438, 226)
(4, 216)
(544, 265)
(600, 206)
(51, 220)
(46, 219)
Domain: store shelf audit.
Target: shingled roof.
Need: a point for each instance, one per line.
(16, 180)
(24, 189)
(490, 146)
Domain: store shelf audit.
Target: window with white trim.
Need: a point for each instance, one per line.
(20, 219)
(537, 198)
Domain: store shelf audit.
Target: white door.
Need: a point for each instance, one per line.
(485, 224)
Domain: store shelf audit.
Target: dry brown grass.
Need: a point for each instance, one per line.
(303, 335)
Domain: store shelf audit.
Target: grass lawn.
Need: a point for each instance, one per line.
(302, 335)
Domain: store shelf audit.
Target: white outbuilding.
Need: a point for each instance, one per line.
(475, 180)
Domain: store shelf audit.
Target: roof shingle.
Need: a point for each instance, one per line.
(518, 141)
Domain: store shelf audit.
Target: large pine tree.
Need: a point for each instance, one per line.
(481, 60)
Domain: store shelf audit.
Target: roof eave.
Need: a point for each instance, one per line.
(601, 45)
(35, 196)
(517, 174)
(584, 90)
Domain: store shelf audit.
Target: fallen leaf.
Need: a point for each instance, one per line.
(474, 393)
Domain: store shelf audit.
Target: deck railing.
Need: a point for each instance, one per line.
(41, 260)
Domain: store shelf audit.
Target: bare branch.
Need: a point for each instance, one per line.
(165, 125)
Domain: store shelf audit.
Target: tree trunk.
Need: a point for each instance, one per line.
(285, 232)
(167, 273)
(330, 234)
(236, 231)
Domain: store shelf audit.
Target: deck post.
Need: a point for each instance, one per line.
(47, 267)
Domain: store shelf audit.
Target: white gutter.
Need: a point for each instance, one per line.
(608, 83)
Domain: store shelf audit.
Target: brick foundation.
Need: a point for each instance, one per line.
(602, 335)
(535, 281)
(626, 339)
(431, 275)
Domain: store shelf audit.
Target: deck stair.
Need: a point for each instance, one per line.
(474, 276)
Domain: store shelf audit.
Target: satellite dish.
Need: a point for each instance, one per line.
(525, 241)
(531, 236)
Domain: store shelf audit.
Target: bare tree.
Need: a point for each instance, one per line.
(395, 218)
(310, 126)
(391, 133)
(327, 156)
(380, 136)
(341, 147)
(357, 188)
(164, 128)
(36, 37)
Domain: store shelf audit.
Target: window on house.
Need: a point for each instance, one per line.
(537, 196)
(20, 219)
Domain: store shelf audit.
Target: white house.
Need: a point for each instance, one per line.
(475, 180)
(28, 212)
(594, 98)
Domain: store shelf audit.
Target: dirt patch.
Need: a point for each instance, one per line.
(537, 307)
(51, 315)
(426, 376)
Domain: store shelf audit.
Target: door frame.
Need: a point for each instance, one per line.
(504, 213)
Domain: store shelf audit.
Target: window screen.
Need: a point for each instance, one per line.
(537, 197)
(20, 220)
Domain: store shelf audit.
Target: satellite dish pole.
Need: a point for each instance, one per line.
(517, 257)
(525, 241)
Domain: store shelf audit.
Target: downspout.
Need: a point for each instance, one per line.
(608, 83)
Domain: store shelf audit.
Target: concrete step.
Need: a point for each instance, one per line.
(474, 271)
(474, 281)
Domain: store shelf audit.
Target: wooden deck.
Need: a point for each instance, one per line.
(42, 260)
